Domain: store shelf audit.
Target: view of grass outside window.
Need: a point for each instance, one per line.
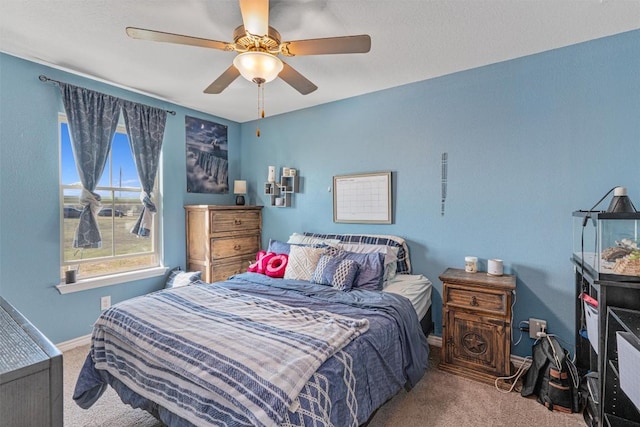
(119, 188)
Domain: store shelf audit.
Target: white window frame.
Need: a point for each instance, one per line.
(113, 278)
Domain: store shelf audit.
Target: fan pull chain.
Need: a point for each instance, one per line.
(260, 107)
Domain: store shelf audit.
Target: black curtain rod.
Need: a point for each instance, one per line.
(45, 79)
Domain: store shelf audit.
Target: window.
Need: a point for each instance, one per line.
(119, 188)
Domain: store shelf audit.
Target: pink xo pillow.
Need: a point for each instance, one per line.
(269, 263)
(276, 266)
(262, 257)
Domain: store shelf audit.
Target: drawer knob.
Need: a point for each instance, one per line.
(237, 247)
(474, 301)
(237, 221)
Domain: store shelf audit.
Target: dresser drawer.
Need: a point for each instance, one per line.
(233, 220)
(222, 269)
(235, 246)
(477, 300)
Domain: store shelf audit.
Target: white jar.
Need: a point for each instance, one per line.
(495, 267)
(471, 264)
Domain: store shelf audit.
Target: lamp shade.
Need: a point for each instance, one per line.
(621, 202)
(239, 187)
(258, 67)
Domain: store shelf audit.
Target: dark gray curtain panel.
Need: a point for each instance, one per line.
(145, 127)
(93, 119)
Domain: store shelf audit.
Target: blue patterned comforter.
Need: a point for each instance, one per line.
(256, 351)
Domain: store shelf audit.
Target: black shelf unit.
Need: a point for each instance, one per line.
(610, 290)
(617, 407)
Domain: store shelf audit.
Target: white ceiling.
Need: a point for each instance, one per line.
(411, 40)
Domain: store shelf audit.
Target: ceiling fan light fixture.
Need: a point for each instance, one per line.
(258, 67)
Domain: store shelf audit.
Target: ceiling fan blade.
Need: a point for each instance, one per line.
(223, 81)
(326, 46)
(159, 36)
(296, 80)
(255, 16)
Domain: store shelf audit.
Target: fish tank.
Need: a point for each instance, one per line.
(607, 244)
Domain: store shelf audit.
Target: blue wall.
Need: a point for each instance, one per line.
(529, 141)
(29, 198)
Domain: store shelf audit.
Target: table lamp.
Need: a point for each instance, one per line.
(239, 189)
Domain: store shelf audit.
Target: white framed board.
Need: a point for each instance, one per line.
(362, 198)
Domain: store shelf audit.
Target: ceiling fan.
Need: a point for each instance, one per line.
(259, 46)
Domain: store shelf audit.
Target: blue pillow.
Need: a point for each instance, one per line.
(371, 268)
(278, 247)
(179, 278)
(338, 273)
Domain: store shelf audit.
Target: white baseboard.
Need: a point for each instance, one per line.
(516, 360)
(76, 342)
(434, 340)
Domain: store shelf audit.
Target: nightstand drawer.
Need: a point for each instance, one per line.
(476, 300)
(235, 246)
(225, 221)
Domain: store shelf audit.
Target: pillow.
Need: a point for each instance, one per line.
(338, 273)
(302, 262)
(301, 239)
(278, 247)
(390, 271)
(404, 263)
(178, 278)
(390, 255)
(262, 258)
(276, 266)
(371, 268)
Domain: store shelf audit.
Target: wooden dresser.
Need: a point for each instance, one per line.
(30, 373)
(476, 324)
(222, 240)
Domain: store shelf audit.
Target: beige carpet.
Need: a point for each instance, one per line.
(439, 399)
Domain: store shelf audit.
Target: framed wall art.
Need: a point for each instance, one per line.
(207, 156)
(362, 198)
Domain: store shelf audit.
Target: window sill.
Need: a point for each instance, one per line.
(114, 279)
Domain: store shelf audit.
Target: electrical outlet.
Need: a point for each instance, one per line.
(535, 326)
(105, 302)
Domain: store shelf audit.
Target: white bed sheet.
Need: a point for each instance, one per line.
(415, 287)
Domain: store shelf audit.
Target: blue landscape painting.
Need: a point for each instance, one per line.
(207, 156)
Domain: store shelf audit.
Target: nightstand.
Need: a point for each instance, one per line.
(476, 324)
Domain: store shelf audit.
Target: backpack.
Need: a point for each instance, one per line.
(553, 378)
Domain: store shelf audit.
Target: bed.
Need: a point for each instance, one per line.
(261, 351)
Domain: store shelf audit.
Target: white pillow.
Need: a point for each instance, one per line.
(301, 239)
(303, 261)
(179, 278)
(390, 255)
